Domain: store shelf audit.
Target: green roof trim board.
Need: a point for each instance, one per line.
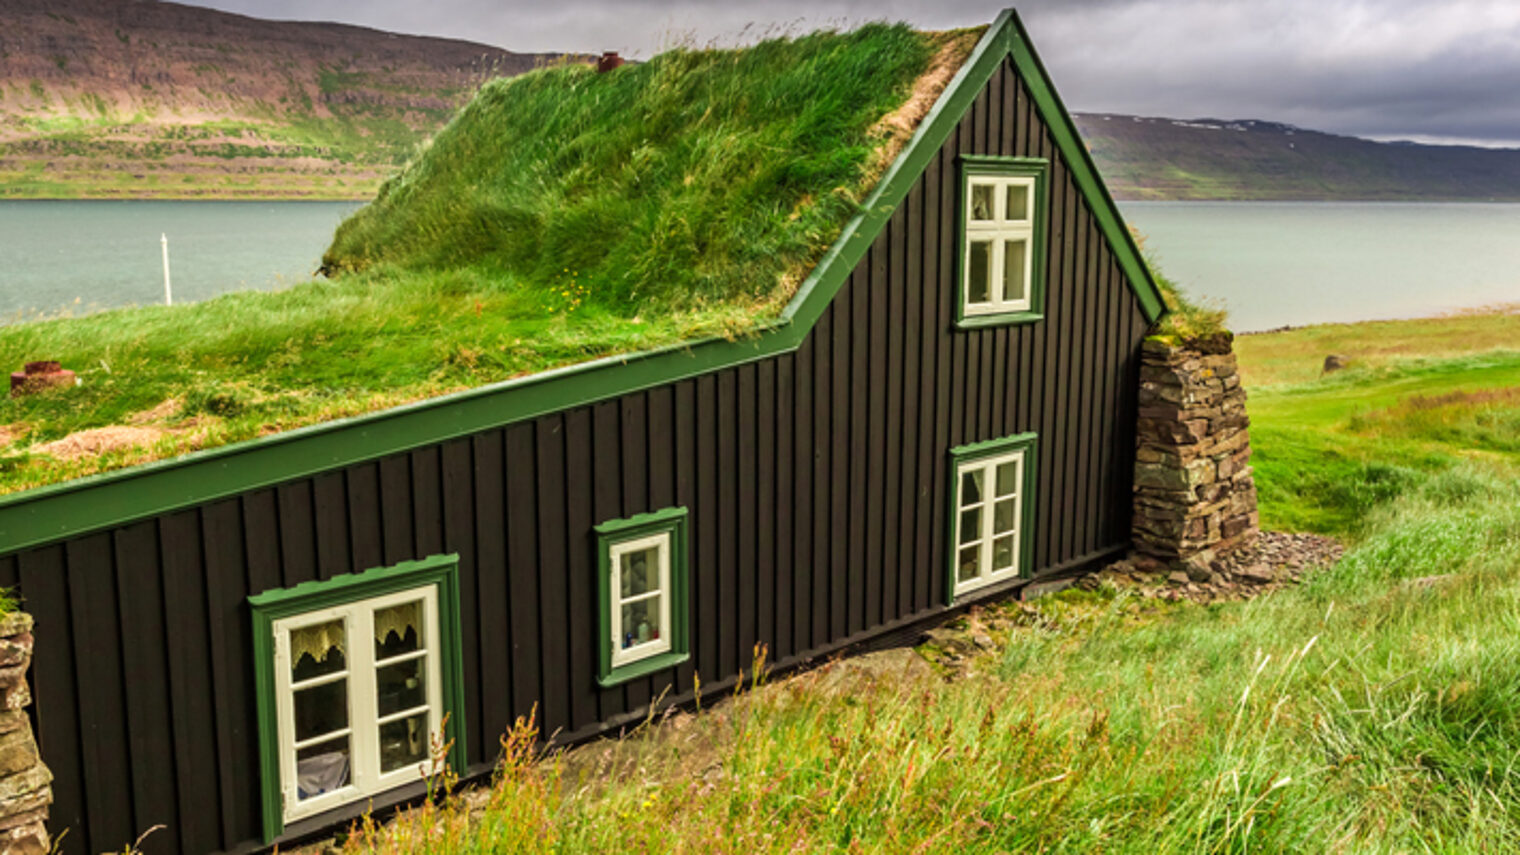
(47, 514)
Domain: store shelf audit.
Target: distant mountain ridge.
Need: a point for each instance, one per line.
(138, 98)
(1144, 157)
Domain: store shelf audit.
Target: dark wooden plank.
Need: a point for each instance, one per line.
(190, 649)
(456, 478)
(893, 415)
(365, 542)
(1045, 550)
(877, 376)
(522, 574)
(765, 504)
(705, 523)
(427, 501)
(840, 484)
(804, 568)
(1006, 114)
(298, 533)
(1067, 427)
(976, 141)
(662, 453)
(226, 566)
(945, 299)
(110, 814)
(746, 511)
(549, 442)
(904, 526)
(330, 513)
(1086, 509)
(1115, 525)
(933, 284)
(862, 358)
(58, 728)
(150, 745)
(684, 483)
(729, 658)
(580, 568)
(783, 509)
(823, 405)
(396, 508)
(10, 573)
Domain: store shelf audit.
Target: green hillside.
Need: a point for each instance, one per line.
(1207, 159)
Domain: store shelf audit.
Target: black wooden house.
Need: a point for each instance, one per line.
(945, 412)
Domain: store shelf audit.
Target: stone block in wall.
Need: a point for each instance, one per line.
(25, 783)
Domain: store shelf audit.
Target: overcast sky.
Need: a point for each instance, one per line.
(1429, 70)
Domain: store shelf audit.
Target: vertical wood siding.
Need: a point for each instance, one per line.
(815, 482)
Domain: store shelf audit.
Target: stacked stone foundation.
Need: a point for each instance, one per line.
(1195, 498)
(25, 783)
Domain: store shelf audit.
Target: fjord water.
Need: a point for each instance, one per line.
(1274, 264)
(81, 256)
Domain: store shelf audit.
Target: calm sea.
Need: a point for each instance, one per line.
(1270, 263)
(82, 256)
(1278, 263)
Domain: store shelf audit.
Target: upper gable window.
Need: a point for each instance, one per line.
(1002, 248)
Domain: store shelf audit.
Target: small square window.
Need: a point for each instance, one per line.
(643, 594)
(990, 513)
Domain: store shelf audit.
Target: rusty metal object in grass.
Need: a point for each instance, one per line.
(36, 376)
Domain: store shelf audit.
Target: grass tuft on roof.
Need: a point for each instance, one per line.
(560, 217)
(702, 176)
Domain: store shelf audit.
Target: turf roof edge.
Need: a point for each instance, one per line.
(51, 513)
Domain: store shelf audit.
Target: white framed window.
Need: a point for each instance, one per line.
(358, 698)
(998, 267)
(641, 588)
(990, 512)
(642, 593)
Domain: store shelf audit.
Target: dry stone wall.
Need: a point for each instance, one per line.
(1195, 499)
(25, 783)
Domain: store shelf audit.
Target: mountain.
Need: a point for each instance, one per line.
(108, 98)
(1157, 158)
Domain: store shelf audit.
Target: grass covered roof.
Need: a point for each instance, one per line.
(563, 215)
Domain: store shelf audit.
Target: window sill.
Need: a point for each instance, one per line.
(999, 319)
(641, 668)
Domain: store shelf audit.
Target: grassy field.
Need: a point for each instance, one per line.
(1370, 710)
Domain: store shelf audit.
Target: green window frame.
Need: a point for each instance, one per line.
(421, 596)
(1002, 221)
(643, 584)
(990, 513)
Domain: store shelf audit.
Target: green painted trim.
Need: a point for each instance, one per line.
(1030, 444)
(270, 606)
(56, 512)
(1080, 163)
(1037, 168)
(611, 532)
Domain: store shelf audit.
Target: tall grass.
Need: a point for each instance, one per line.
(1371, 710)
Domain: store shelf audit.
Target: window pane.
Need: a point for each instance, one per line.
(1002, 516)
(641, 622)
(321, 709)
(979, 265)
(971, 525)
(403, 741)
(401, 686)
(1002, 553)
(322, 768)
(398, 630)
(317, 650)
(1008, 478)
(971, 487)
(981, 201)
(1013, 270)
(640, 571)
(1018, 202)
(970, 556)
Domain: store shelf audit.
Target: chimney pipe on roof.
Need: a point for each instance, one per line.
(608, 61)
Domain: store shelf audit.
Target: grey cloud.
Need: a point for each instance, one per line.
(1402, 68)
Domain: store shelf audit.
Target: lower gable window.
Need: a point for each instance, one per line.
(357, 676)
(991, 507)
(643, 584)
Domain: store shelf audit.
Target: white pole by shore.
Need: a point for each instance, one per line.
(168, 294)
